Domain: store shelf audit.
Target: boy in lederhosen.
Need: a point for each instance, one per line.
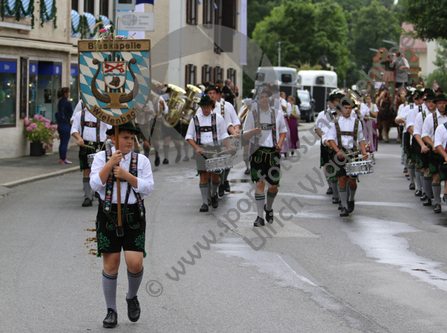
(205, 132)
(134, 171)
(344, 137)
(266, 130)
(431, 123)
(90, 134)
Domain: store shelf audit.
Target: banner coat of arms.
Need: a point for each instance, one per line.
(114, 78)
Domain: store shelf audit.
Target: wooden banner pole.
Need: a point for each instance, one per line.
(119, 229)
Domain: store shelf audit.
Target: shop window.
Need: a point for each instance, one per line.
(8, 92)
(190, 74)
(191, 12)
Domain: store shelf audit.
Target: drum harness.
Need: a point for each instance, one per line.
(212, 128)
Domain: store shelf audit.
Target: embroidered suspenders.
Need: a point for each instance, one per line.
(435, 122)
(91, 124)
(340, 133)
(205, 129)
(257, 119)
(133, 170)
(222, 109)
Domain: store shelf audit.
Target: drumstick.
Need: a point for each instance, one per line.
(89, 146)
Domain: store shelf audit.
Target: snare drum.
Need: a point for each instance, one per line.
(216, 164)
(359, 168)
(90, 158)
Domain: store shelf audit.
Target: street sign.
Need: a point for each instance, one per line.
(135, 21)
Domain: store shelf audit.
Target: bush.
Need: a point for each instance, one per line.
(39, 129)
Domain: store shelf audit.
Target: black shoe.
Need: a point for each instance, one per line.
(204, 208)
(221, 190)
(97, 195)
(411, 187)
(87, 203)
(186, 159)
(268, 215)
(215, 201)
(329, 191)
(157, 160)
(165, 161)
(227, 186)
(351, 205)
(405, 170)
(133, 309)
(335, 200)
(444, 197)
(427, 202)
(423, 197)
(344, 212)
(178, 158)
(340, 207)
(247, 171)
(111, 319)
(418, 193)
(259, 222)
(437, 208)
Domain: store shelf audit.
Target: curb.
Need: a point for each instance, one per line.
(39, 177)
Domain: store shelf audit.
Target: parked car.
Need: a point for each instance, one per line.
(307, 106)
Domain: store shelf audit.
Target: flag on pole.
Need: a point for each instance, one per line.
(435, 86)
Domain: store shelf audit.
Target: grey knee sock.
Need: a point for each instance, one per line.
(421, 176)
(179, 150)
(329, 182)
(109, 283)
(436, 192)
(204, 191)
(247, 161)
(343, 197)
(87, 188)
(260, 200)
(427, 186)
(166, 152)
(352, 193)
(186, 148)
(134, 283)
(412, 171)
(334, 189)
(214, 188)
(270, 198)
(418, 180)
(146, 152)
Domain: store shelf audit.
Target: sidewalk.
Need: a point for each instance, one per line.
(21, 170)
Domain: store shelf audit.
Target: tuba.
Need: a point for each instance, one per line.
(175, 105)
(190, 108)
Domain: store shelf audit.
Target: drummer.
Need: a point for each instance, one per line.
(205, 131)
(265, 129)
(344, 137)
(90, 134)
(429, 127)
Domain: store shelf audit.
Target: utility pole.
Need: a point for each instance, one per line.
(279, 53)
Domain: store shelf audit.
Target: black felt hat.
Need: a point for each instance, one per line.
(129, 126)
(205, 101)
(210, 87)
(430, 96)
(441, 97)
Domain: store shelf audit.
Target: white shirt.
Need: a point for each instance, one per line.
(290, 109)
(145, 177)
(283, 103)
(266, 138)
(403, 113)
(89, 133)
(346, 125)
(218, 110)
(419, 122)
(441, 137)
(77, 109)
(207, 137)
(323, 122)
(229, 109)
(427, 128)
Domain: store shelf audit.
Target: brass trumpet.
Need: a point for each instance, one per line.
(175, 105)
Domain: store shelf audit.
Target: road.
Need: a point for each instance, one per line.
(383, 269)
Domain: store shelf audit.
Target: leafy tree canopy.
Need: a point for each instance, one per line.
(428, 17)
(439, 74)
(309, 30)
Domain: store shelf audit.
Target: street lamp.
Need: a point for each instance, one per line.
(279, 53)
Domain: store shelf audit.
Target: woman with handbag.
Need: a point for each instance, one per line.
(63, 116)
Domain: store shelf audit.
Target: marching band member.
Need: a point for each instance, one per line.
(344, 137)
(322, 124)
(429, 127)
(243, 112)
(266, 130)
(205, 132)
(168, 133)
(90, 134)
(135, 170)
(441, 148)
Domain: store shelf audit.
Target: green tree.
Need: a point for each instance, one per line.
(257, 10)
(370, 26)
(428, 17)
(308, 30)
(439, 74)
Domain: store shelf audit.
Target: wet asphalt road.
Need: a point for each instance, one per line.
(383, 269)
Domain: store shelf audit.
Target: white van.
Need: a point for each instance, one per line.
(285, 77)
(319, 84)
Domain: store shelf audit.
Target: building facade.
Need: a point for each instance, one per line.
(38, 51)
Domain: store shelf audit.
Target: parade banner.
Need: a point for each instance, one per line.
(114, 78)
